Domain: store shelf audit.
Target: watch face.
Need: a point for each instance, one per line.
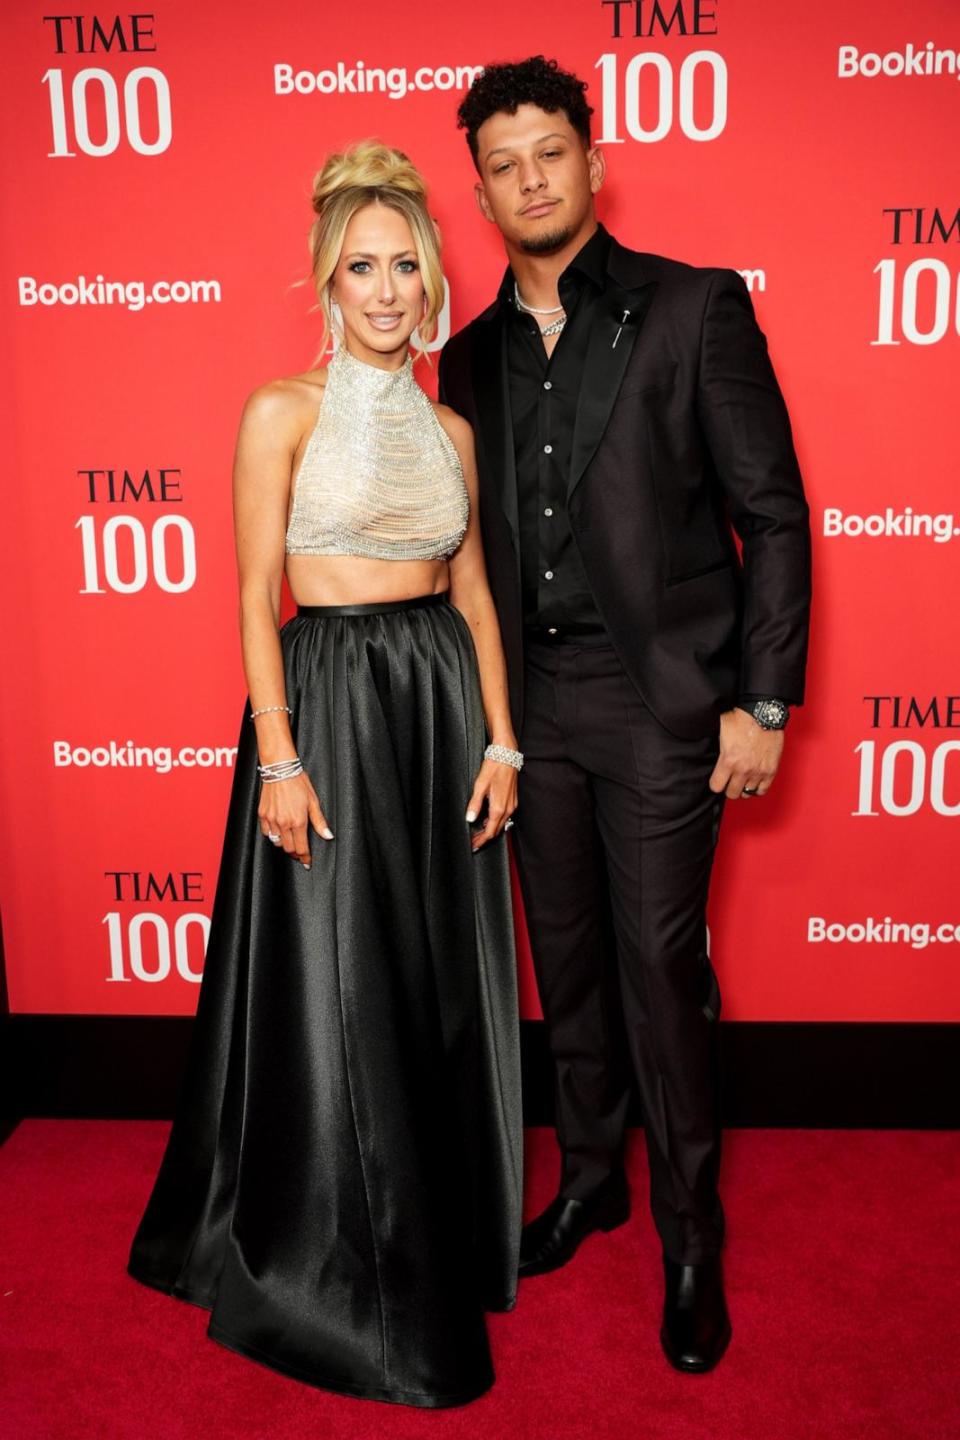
(772, 714)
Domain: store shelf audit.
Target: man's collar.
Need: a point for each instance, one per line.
(590, 261)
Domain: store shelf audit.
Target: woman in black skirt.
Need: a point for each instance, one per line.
(342, 1184)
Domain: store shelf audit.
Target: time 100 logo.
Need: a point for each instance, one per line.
(70, 113)
(675, 96)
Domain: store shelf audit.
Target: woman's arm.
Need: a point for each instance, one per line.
(470, 593)
(270, 429)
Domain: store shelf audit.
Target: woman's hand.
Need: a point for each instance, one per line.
(285, 808)
(497, 784)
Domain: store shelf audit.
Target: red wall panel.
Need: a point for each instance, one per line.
(799, 145)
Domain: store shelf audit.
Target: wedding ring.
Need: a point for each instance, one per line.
(745, 791)
(274, 838)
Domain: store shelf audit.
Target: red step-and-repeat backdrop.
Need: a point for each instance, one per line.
(156, 175)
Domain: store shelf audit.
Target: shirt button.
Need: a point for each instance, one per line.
(548, 385)
(548, 511)
(548, 449)
(548, 574)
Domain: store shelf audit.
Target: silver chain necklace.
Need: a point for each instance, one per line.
(554, 327)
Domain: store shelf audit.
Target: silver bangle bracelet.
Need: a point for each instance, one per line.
(280, 770)
(504, 755)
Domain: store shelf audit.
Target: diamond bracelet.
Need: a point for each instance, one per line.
(281, 769)
(504, 755)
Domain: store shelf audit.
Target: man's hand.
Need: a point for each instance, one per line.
(749, 756)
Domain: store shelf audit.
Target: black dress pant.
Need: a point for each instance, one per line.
(614, 838)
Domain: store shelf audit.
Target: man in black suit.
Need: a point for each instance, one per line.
(628, 423)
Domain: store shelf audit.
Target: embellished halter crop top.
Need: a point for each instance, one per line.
(379, 475)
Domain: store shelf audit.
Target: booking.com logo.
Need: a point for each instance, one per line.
(126, 755)
(870, 931)
(908, 522)
(134, 294)
(362, 79)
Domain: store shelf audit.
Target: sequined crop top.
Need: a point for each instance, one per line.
(379, 475)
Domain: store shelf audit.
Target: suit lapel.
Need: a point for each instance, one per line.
(617, 323)
(491, 381)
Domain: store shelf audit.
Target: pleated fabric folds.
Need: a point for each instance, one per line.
(342, 1182)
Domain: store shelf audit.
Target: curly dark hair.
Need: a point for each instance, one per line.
(536, 81)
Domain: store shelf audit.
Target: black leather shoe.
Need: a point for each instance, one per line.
(696, 1327)
(553, 1238)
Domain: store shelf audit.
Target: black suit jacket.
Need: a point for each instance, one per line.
(681, 437)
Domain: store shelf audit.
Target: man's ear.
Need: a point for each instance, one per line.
(597, 163)
(482, 202)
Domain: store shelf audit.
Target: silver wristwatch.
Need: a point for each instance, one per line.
(769, 713)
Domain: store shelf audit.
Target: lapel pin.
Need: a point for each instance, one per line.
(623, 321)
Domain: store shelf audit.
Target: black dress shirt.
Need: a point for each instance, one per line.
(543, 402)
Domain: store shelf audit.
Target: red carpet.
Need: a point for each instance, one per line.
(843, 1274)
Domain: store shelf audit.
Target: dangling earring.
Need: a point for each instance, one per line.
(336, 314)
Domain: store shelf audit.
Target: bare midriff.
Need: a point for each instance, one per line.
(360, 580)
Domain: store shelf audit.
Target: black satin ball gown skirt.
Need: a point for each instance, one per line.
(342, 1182)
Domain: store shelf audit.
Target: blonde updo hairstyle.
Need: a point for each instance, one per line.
(372, 173)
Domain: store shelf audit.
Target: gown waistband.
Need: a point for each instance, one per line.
(373, 607)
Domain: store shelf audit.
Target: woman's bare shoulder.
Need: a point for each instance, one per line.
(289, 401)
(459, 430)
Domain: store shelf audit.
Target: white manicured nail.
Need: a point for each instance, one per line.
(327, 833)
(471, 816)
